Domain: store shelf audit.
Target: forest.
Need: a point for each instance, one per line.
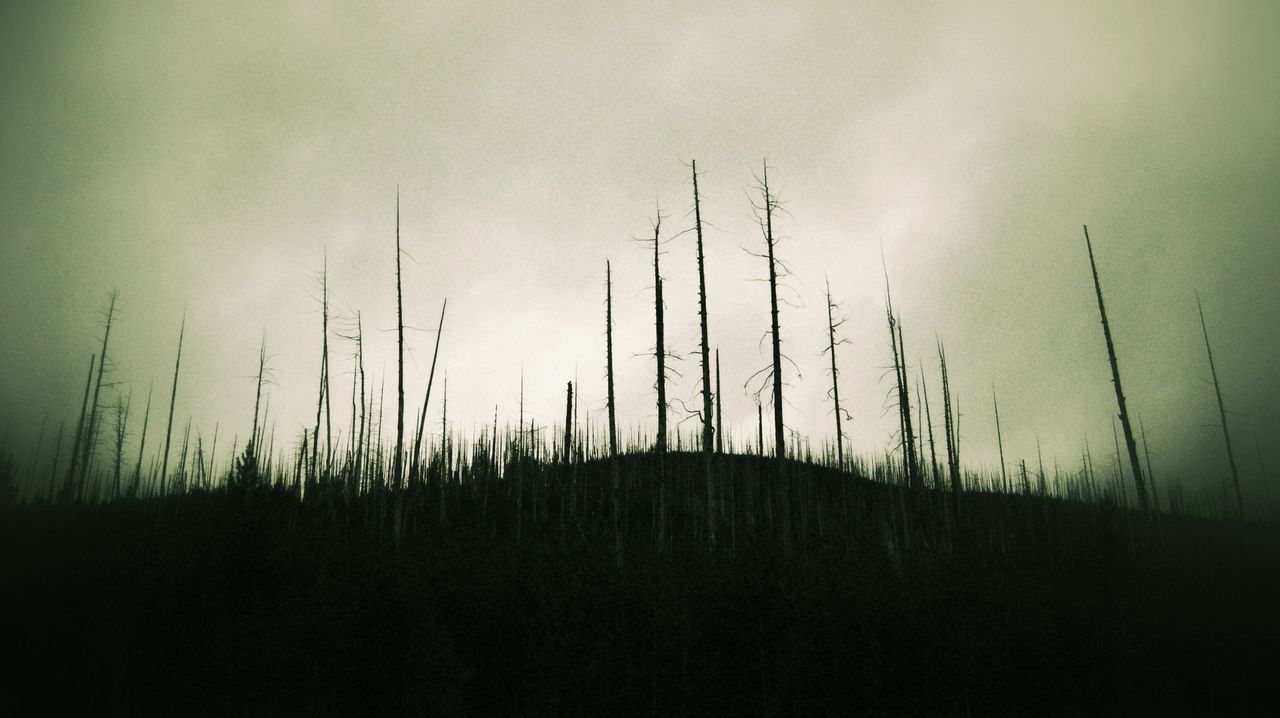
(374, 564)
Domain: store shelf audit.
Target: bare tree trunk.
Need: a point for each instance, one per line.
(422, 418)
(950, 426)
(719, 409)
(1222, 412)
(928, 420)
(708, 416)
(173, 398)
(1155, 498)
(122, 422)
(1129, 442)
(568, 426)
(68, 486)
(142, 445)
(608, 333)
(614, 469)
(771, 203)
(91, 430)
(399, 466)
(660, 350)
(1004, 476)
(326, 393)
(835, 379)
(57, 451)
(360, 441)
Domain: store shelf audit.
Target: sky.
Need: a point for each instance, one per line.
(213, 157)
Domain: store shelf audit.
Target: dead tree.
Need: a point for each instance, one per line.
(719, 409)
(764, 215)
(422, 418)
(568, 425)
(91, 429)
(928, 421)
(904, 400)
(614, 469)
(122, 422)
(708, 418)
(1151, 476)
(322, 401)
(1129, 442)
(660, 351)
(399, 464)
(950, 425)
(142, 445)
(1004, 476)
(1222, 412)
(69, 484)
(173, 398)
(257, 394)
(832, 325)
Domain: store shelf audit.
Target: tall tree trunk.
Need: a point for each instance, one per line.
(399, 465)
(719, 409)
(950, 426)
(568, 426)
(770, 203)
(608, 333)
(91, 430)
(142, 445)
(1129, 442)
(1004, 476)
(660, 351)
(708, 416)
(68, 486)
(414, 466)
(835, 379)
(928, 420)
(173, 398)
(1222, 412)
(1155, 497)
(614, 469)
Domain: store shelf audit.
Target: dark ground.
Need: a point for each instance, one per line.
(223, 605)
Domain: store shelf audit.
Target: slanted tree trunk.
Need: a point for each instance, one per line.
(1129, 442)
(928, 420)
(950, 426)
(415, 462)
(68, 486)
(1155, 498)
(173, 398)
(1222, 412)
(614, 468)
(142, 445)
(1004, 476)
(91, 429)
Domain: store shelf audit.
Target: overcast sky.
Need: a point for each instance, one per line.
(207, 155)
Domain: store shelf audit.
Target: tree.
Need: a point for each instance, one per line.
(399, 464)
(832, 325)
(1222, 412)
(708, 418)
(173, 398)
(1129, 442)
